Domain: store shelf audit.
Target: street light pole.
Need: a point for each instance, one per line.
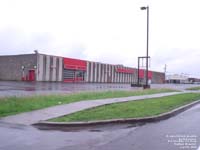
(147, 57)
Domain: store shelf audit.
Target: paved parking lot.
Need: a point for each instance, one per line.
(126, 136)
(13, 88)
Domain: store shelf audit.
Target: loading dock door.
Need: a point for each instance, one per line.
(74, 70)
(73, 75)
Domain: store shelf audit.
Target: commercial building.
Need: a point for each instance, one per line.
(42, 67)
(181, 79)
(176, 78)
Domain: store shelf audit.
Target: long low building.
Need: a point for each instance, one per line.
(42, 67)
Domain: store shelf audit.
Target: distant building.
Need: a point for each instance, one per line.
(181, 78)
(194, 80)
(176, 78)
(42, 67)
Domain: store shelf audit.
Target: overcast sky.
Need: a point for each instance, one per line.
(110, 31)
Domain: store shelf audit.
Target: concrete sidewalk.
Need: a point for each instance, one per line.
(33, 117)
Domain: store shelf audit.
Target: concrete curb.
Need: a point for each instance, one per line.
(51, 125)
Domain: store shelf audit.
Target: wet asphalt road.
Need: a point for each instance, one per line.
(153, 136)
(12, 88)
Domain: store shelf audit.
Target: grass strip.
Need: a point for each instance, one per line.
(15, 105)
(194, 88)
(133, 109)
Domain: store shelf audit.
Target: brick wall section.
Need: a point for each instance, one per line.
(158, 77)
(11, 66)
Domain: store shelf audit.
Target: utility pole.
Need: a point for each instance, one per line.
(165, 69)
(147, 55)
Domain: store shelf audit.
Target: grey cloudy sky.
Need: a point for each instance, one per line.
(110, 31)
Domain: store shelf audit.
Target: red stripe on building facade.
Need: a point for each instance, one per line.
(123, 70)
(74, 64)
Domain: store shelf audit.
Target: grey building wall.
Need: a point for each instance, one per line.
(11, 66)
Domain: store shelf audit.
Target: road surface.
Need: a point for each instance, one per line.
(169, 134)
(12, 88)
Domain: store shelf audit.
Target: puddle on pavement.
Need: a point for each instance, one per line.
(14, 126)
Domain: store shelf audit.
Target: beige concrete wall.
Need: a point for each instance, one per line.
(50, 68)
(106, 73)
(40, 67)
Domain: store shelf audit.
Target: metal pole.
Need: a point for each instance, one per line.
(147, 45)
(138, 71)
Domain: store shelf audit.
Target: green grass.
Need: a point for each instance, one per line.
(15, 105)
(194, 88)
(133, 109)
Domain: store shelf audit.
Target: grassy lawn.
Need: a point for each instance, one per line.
(14, 105)
(133, 109)
(194, 88)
